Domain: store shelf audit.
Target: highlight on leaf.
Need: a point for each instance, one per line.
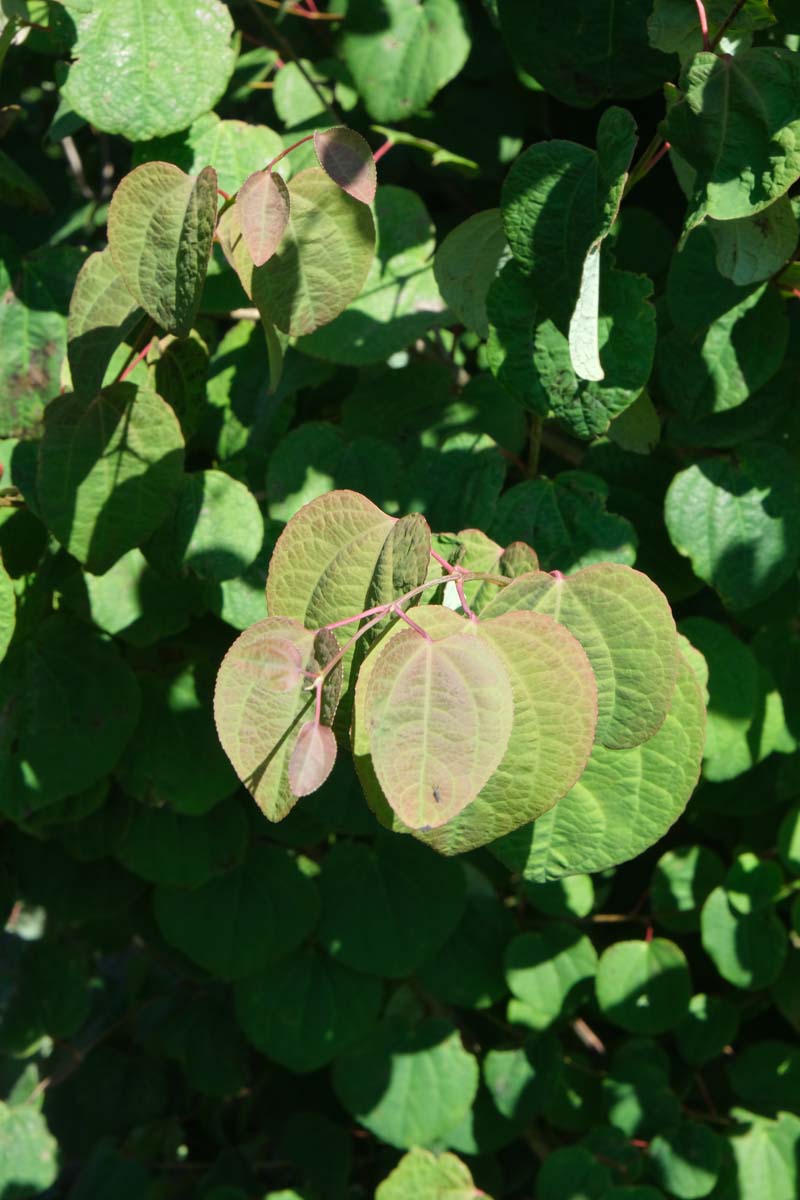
(312, 759)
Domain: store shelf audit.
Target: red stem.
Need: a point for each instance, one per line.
(658, 156)
(135, 361)
(384, 149)
(288, 150)
(701, 13)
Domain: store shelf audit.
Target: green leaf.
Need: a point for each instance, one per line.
(306, 1010)
(174, 66)
(110, 467)
(467, 969)
(102, 313)
(346, 157)
(766, 1075)
(400, 62)
(643, 987)
(523, 1081)
(752, 249)
(323, 260)
(8, 606)
(710, 1025)
(572, 1173)
(160, 229)
(674, 24)
(399, 301)
(432, 768)
(609, 57)
(550, 972)
(440, 157)
(552, 687)
(738, 520)
(238, 924)
(624, 801)
(512, 310)
(687, 1160)
(162, 846)
(263, 207)
(235, 149)
(625, 626)
(421, 1175)
(565, 519)
(71, 705)
(215, 529)
(737, 126)
(733, 689)
(387, 908)
(753, 884)
(789, 840)
(33, 331)
(408, 1084)
(28, 1152)
(467, 262)
(681, 881)
(766, 1154)
(748, 950)
(258, 718)
(559, 203)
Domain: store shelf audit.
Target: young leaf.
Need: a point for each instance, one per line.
(427, 1176)
(110, 468)
(624, 801)
(167, 69)
(263, 206)
(257, 725)
(160, 228)
(323, 259)
(346, 157)
(312, 758)
(625, 626)
(102, 312)
(438, 716)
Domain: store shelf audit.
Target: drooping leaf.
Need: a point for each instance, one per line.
(235, 149)
(312, 758)
(408, 1084)
(625, 626)
(323, 259)
(400, 299)
(306, 1010)
(467, 262)
(346, 157)
(110, 467)
(624, 801)
(585, 54)
(426, 1176)
(263, 206)
(238, 924)
(173, 68)
(257, 724)
(402, 62)
(438, 717)
(160, 228)
(559, 203)
(733, 103)
(738, 520)
(102, 312)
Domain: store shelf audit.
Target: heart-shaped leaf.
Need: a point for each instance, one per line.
(263, 205)
(312, 759)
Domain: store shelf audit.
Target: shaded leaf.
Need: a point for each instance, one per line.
(346, 157)
(102, 312)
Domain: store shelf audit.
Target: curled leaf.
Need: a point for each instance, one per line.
(312, 759)
(263, 206)
(345, 156)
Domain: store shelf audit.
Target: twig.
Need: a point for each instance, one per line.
(311, 13)
(287, 50)
(726, 24)
(76, 167)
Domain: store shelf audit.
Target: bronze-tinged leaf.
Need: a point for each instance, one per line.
(346, 157)
(312, 759)
(263, 205)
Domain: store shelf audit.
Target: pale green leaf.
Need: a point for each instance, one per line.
(440, 157)
(235, 149)
(28, 1152)
(160, 228)
(752, 249)
(733, 697)
(146, 68)
(401, 61)
(624, 801)
(109, 471)
(584, 335)
(102, 312)
(738, 521)
(323, 260)
(748, 949)
(422, 1175)
(625, 626)
(467, 262)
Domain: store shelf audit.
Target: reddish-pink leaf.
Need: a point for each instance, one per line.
(282, 665)
(346, 157)
(262, 206)
(312, 758)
